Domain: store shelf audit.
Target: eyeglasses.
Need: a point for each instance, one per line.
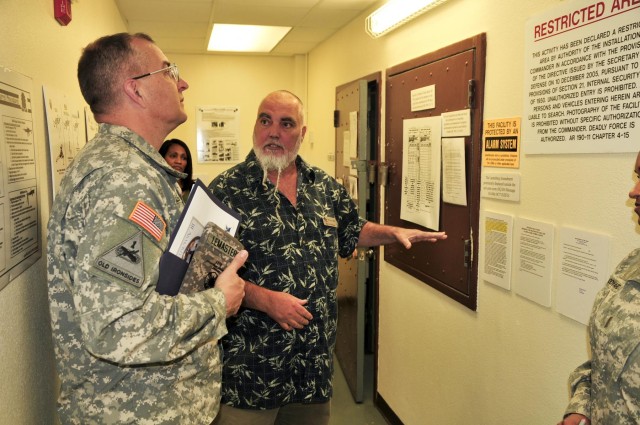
(173, 71)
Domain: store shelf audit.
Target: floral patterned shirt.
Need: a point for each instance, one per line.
(294, 250)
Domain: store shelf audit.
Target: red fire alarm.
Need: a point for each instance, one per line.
(62, 11)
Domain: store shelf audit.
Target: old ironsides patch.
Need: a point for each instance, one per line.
(124, 261)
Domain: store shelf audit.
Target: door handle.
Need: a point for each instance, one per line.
(366, 254)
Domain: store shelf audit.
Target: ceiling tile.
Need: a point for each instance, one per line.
(165, 11)
(306, 34)
(242, 4)
(360, 5)
(259, 15)
(182, 26)
(175, 30)
(328, 18)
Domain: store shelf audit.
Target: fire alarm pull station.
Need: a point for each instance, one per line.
(62, 11)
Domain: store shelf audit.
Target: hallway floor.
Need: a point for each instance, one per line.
(345, 411)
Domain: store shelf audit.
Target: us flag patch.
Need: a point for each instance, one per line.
(146, 217)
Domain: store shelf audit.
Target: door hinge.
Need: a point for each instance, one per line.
(359, 165)
(371, 172)
(467, 253)
(471, 93)
(336, 118)
(383, 174)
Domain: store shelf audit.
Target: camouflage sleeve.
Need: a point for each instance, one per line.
(122, 318)
(580, 384)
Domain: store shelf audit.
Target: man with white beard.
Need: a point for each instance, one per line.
(296, 220)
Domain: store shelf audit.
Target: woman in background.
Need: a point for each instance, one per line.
(176, 153)
(606, 389)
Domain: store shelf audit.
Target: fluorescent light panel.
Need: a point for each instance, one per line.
(395, 13)
(245, 38)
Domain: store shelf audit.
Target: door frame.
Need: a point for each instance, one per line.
(373, 213)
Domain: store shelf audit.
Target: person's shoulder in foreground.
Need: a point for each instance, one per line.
(605, 389)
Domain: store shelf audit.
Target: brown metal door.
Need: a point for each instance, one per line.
(350, 117)
(457, 72)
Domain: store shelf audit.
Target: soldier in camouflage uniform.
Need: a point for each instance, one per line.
(606, 389)
(296, 220)
(126, 354)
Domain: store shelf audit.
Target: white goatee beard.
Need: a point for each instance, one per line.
(277, 163)
(273, 163)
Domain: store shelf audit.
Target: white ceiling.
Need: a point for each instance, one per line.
(183, 26)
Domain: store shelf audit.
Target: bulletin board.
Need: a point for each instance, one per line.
(455, 75)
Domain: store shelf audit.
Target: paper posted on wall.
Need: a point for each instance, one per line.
(201, 208)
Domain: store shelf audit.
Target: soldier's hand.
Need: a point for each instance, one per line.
(232, 285)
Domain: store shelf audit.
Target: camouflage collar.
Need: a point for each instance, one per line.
(142, 145)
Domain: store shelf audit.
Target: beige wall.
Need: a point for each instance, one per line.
(34, 44)
(439, 362)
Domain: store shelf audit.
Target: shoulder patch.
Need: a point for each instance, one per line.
(150, 220)
(124, 261)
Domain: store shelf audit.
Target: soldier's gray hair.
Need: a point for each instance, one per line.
(100, 67)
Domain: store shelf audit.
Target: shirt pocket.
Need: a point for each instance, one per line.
(329, 238)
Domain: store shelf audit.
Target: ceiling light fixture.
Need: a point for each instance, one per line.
(245, 38)
(395, 13)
